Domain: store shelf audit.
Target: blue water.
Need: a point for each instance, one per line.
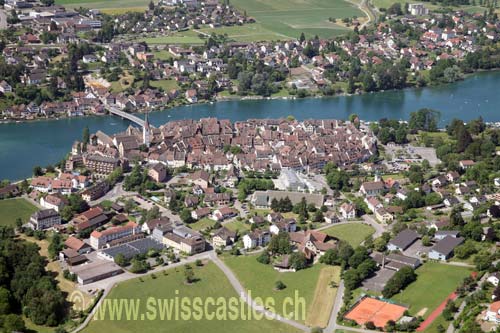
(43, 142)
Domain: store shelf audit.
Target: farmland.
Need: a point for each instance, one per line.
(169, 284)
(288, 18)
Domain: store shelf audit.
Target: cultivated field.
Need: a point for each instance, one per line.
(354, 234)
(11, 209)
(434, 283)
(170, 284)
(387, 3)
(108, 6)
(288, 18)
(260, 280)
(321, 306)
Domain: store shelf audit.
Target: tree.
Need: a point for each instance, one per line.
(464, 139)
(185, 216)
(151, 5)
(56, 245)
(120, 260)
(37, 171)
(47, 2)
(302, 38)
(399, 281)
(280, 244)
(86, 135)
(298, 261)
(264, 258)
(13, 323)
(188, 274)
(424, 119)
(279, 285)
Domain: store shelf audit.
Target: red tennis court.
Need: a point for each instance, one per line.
(376, 311)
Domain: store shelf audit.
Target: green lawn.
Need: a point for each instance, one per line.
(202, 224)
(182, 37)
(11, 209)
(162, 54)
(239, 226)
(169, 285)
(387, 3)
(354, 234)
(166, 85)
(434, 283)
(260, 279)
(288, 18)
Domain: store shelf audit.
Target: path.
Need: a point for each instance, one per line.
(243, 294)
(3, 19)
(436, 312)
(339, 297)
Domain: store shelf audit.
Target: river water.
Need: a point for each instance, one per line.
(44, 142)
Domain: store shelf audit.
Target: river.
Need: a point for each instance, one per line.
(24, 145)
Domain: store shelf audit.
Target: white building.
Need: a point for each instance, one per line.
(256, 238)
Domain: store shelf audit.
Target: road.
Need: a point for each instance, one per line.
(3, 19)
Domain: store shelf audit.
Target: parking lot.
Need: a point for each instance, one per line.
(378, 281)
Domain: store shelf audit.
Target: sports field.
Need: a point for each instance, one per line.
(439, 278)
(353, 233)
(11, 209)
(288, 18)
(169, 285)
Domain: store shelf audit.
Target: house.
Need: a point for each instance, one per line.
(312, 243)
(452, 176)
(383, 215)
(403, 240)
(372, 188)
(44, 219)
(224, 213)
(5, 87)
(274, 217)
(184, 240)
(200, 178)
(494, 278)
(158, 172)
(99, 239)
(54, 201)
(257, 220)
(256, 238)
(466, 164)
(149, 226)
(201, 213)
(217, 199)
(286, 225)
(9, 191)
(95, 191)
(445, 247)
(348, 211)
(71, 257)
(440, 181)
(78, 245)
(90, 219)
(493, 313)
(331, 217)
(373, 203)
(441, 234)
(191, 96)
(223, 237)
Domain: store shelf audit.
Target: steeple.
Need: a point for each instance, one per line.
(146, 131)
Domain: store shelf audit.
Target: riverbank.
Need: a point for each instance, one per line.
(237, 98)
(44, 142)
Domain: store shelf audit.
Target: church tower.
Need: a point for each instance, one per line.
(146, 131)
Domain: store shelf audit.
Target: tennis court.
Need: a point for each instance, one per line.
(376, 311)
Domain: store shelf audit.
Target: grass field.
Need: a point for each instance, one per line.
(288, 18)
(260, 279)
(202, 224)
(322, 304)
(108, 6)
(434, 283)
(239, 226)
(170, 284)
(354, 234)
(11, 209)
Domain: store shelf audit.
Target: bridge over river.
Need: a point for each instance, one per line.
(125, 115)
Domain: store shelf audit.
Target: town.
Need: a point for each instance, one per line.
(289, 195)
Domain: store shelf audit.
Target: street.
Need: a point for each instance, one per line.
(3, 19)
